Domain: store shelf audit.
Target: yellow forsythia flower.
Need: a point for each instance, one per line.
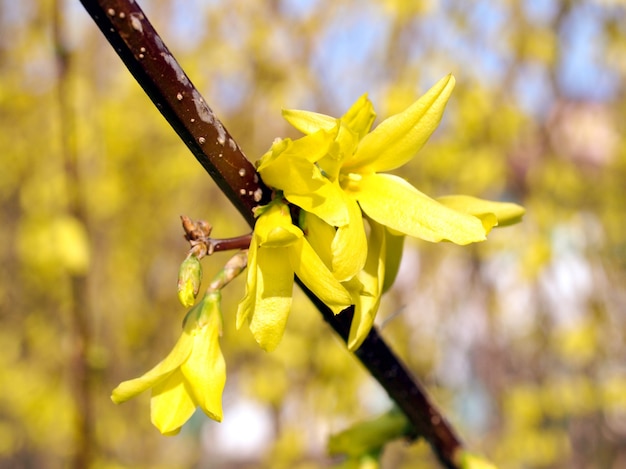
(339, 168)
(192, 375)
(336, 173)
(278, 250)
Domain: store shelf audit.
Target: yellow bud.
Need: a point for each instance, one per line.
(189, 279)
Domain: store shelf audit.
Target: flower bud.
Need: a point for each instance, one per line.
(189, 279)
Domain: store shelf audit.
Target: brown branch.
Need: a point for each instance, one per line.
(155, 69)
(403, 388)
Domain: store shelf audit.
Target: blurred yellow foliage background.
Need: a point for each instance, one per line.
(521, 338)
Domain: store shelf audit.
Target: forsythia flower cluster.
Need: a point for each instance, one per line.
(336, 175)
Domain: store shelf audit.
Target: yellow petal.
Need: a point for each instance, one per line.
(171, 404)
(281, 236)
(506, 213)
(246, 305)
(349, 246)
(273, 298)
(343, 148)
(362, 321)
(309, 122)
(396, 140)
(354, 124)
(394, 245)
(274, 228)
(395, 203)
(371, 278)
(291, 172)
(360, 116)
(272, 231)
(316, 276)
(326, 201)
(320, 236)
(309, 148)
(205, 369)
(176, 357)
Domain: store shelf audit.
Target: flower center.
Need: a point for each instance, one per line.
(349, 182)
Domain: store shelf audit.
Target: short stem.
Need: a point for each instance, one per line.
(198, 234)
(231, 270)
(228, 244)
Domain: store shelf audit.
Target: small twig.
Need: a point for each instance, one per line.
(231, 269)
(197, 233)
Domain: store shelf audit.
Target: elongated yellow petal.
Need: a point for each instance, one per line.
(205, 369)
(371, 278)
(506, 213)
(395, 203)
(394, 246)
(349, 246)
(360, 116)
(246, 305)
(364, 314)
(396, 140)
(176, 357)
(171, 404)
(309, 122)
(273, 298)
(316, 276)
(320, 236)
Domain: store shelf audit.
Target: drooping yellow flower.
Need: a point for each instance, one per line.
(338, 169)
(278, 250)
(192, 375)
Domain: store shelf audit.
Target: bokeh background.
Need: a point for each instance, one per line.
(520, 338)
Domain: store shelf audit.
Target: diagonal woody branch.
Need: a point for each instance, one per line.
(154, 67)
(151, 63)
